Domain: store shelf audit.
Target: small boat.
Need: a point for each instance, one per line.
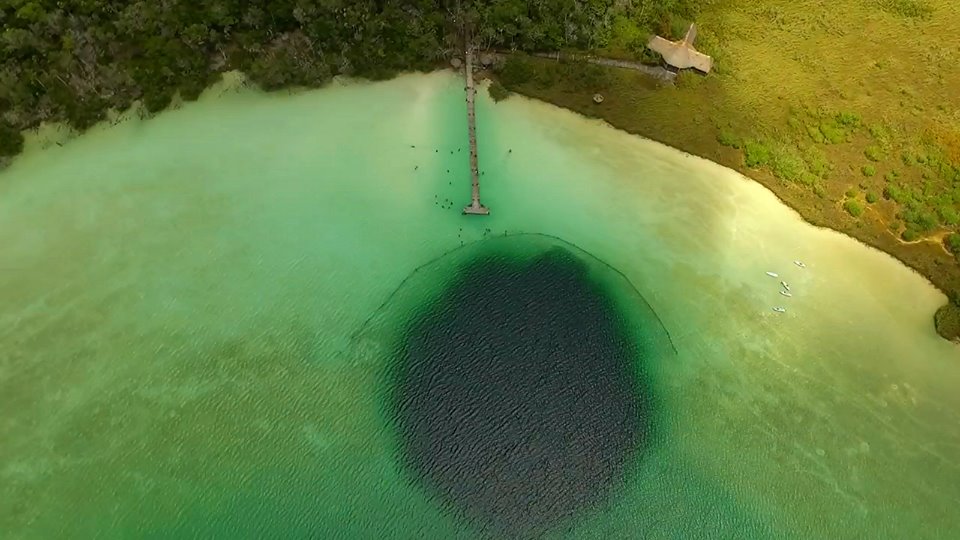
(787, 294)
(780, 309)
(784, 285)
(773, 274)
(800, 264)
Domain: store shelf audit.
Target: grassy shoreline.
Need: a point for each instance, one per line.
(853, 126)
(927, 257)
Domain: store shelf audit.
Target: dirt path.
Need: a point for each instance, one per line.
(656, 72)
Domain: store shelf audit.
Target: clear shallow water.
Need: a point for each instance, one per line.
(179, 297)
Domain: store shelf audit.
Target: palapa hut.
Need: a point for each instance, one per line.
(681, 54)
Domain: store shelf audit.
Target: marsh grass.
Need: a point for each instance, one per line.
(908, 9)
(833, 72)
(810, 97)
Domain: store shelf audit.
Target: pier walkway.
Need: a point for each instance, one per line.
(474, 207)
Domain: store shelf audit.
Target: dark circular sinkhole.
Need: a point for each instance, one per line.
(519, 391)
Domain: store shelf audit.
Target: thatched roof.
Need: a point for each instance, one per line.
(681, 54)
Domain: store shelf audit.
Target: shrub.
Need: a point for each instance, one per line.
(191, 90)
(516, 70)
(879, 133)
(853, 207)
(624, 32)
(678, 27)
(815, 134)
(923, 221)
(948, 215)
(727, 138)
(873, 152)
(83, 114)
(868, 170)
(952, 242)
(816, 162)
(755, 154)
(955, 177)
(832, 133)
(155, 100)
(498, 92)
(907, 159)
(851, 193)
(891, 176)
(11, 140)
(819, 191)
(949, 173)
(895, 193)
(848, 120)
(807, 178)
(872, 197)
(689, 79)
(546, 74)
(31, 12)
(786, 165)
(935, 164)
(908, 9)
(910, 235)
(646, 56)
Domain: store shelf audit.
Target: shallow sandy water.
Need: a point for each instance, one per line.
(178, 298)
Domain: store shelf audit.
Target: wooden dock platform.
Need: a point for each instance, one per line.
(474, 207)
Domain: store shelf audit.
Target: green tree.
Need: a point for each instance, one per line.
(11, 140)
(31, 12)
(71, 60)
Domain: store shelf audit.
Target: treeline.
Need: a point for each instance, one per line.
(72, 60)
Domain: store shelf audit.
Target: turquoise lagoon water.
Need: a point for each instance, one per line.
(196, 318)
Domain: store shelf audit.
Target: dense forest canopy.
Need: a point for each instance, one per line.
(72, 60)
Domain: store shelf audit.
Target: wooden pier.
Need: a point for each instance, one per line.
(474, 207)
